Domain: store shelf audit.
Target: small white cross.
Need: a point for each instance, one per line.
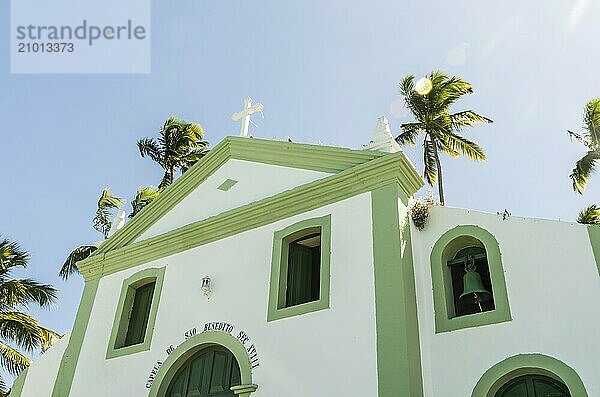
(245, 114)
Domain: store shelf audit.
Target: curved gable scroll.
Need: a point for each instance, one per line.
(192, 346)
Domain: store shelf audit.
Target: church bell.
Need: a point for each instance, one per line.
(473, 289)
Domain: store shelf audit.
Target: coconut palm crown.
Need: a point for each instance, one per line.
(20, 333)
(178, 146)
(590, 215)
(590, 138)
(430, 108)
(102, 222)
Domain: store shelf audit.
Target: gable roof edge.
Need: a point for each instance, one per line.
(295, 155)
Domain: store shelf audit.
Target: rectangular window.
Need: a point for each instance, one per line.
(300, 269)
(140, 312)
(304, 270)
(136, 313)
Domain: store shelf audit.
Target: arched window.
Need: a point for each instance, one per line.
(533, 386)
(471, 282)
(210, 373)
(469, 289)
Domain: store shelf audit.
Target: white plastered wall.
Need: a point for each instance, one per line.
(553, 288)
(41, 375)
(255, 182)
(326, 353)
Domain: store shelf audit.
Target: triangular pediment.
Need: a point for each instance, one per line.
(237, 172)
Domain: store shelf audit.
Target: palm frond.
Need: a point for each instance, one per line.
(591, 119)
(49, 338)
(467, 118)
(463, 146)
(106, 204)
(583, 168)
(3, 390)
(78, 254)
(143, 197)
(196, 153)
(582, 139)
(410, 131)
(149, 147)
(12, 360)
(11, 255)
(22, 292)
(21, 329)
(450, 91)
(590, 215)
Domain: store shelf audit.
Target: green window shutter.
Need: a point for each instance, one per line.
(140, 312)
(211, 373)
(300, 266)
(533, 386)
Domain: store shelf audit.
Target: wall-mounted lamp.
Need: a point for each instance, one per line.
(206, 286)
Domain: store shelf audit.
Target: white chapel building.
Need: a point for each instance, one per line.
(278, 269)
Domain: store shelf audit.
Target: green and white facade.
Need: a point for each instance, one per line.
(381, 323)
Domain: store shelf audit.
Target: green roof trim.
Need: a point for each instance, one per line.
(359, 179)
(295, 155)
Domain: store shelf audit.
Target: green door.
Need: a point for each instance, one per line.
(533, 386)
(210, 373)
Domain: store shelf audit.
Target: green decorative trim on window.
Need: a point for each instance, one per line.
(193, 345)
(360, 179)
(594, 235)
(444, 249)
(228, 184)
(121, 321)
(528, 364)
(279, 265)
(17, 387)
(398, 348)
(66, 371)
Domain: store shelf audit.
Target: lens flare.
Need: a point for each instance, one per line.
(423, 86)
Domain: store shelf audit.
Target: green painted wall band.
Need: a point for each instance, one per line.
(525, 364)
(17, 387)
(594, 235)
(68, 364)
(398, 347)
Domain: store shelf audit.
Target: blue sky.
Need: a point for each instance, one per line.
(324, 70)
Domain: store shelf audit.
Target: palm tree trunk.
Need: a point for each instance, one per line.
(439, 173)
(167, 178)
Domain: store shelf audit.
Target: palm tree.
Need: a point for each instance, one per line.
(20, 333)
(102, 222)
(590, 138)
(178, 146)
(144, 196)
(429, 100)
(590, 215)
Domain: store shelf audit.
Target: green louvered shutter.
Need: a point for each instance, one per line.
(211, 373)
(299, 275)
(140, 312)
